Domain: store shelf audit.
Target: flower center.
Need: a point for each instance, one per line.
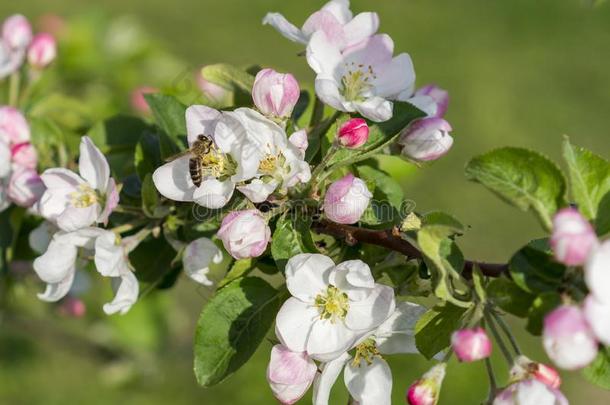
(366, 351)
(84, 197)
(214, 163)
(357, 80)
(333, 304)
(268, 164)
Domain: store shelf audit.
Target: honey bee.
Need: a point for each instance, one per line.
(199, 158)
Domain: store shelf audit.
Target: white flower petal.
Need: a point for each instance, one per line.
(110, 258)
(327, 89)
(60, 183)
(369, 384)
(375, 51)
(56, 291)
(396, 77)
(5, 160)
(93, 165)
(376, 109)
(340, 9)
(56, 263)
(257, 190)
(214, 193)
(397, 333)
(284, 27)
(325, 380)
(373, 311)
(425, 103)
(354, 278)
(322, 55)
(173, 180)
(360, 28)
(307, 275)
(127, 289)
(329, 340)
(73, 219)
(198, 256)
(200, 120)
(597, 272)
(293, 324)
(40, 238)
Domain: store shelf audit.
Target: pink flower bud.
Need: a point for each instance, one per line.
(426, 139)
(568, 339)
(42, 51)
(289, 374)
(300, 140)
(530, 392)
(573, 237)
(214, 92)
(426, 390)
(525, 368)
(346, 200)
(275, 94)
(25, 187)
(439, 96)
(244, 234)
(24, 155)
(72, 307)
(138, 102)
(471, 344)
(354, 133)
(14, 129)
(17, 32)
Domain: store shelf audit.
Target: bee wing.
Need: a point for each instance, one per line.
(178, 155)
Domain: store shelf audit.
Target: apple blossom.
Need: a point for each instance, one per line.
(362, 78)
(289, 374)
(334, 19)
(573, 237)
(426, 390)
(530, 392)
(14, 129)
(354, 133)
(25, 187)
(331, 307)
(10, 60)
(17, 32)
(431, 99)
(42, 51)
(426, 139)
(73, 201)
(567, 338)
(24, 155)
(471, 344)
(525, 368)
(275, 94)
(244, 234)
(198, 256)
(300, 141)
(597, 313)
(346, 200)
(597, 275)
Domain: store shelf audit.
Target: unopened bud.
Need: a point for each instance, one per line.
(354, 133)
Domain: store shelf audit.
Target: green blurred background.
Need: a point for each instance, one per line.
(520, 72)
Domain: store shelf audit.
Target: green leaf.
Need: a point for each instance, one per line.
(602, 222)
(380, 135)
(229, 77)
(598, 372)
(169, 114)
(387, 197)
(433, 330)
(151, 203)
(542, 305)
(509, 297)
(152, 260)
(232, 326)
(444, 219)
(147, 155)
(239, 269)
(286, 241)
(589, 175)
(534, 269)
(523, 178)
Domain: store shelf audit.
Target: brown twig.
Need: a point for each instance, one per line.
(391, 239)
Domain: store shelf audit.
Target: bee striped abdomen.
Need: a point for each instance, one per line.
(195, 170)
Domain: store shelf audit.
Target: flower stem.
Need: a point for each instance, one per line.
(507, 332)
(130, 226)
(316, 175)
(493, 385)
(13, 91)
(317, 114)
(498, 338)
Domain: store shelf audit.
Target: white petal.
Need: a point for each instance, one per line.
(73, 219)
(369, 384)
(597, 272)
(40, 237)
(325, 380)
(360, 28)
(198, 256)
(425, 103)
(373, 311)
(110, 258)
(293, 324)
(200, 120)
(329, 340)
(173, 180)
(340, 9)
(327, 89)
(395, 78)
(376, 109)
(56, 291)
(214, 193)
(257, 190)
(598, 317)
(84, 238)
(322, 55)
(284, 27)
(93, 165)
(397, 333)
(57, 262)
(5, 159)
(354, 278)
(60, 183)
(375, 51)
(126, 294)
(307, 275)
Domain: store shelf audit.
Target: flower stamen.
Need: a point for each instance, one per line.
(333, 304)
(357, 81)
(366, 351)
(84, 197)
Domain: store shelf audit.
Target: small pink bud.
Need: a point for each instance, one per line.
(138, 102)
(24, 155)
(289, 374)
(354, 133)
(471, 344)
(439, 97)
(346, 200)
(525, 368)
(214, 92)
(547, 375)
(275, 94)
(42, 51)
(426, 390)
(573, 237)
(25, 187)
(568, 339)
(244, 234)
(72, 307)
(17, 32)
(14, 129)
(426, 139)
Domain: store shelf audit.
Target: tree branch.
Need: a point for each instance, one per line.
(391, 239)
